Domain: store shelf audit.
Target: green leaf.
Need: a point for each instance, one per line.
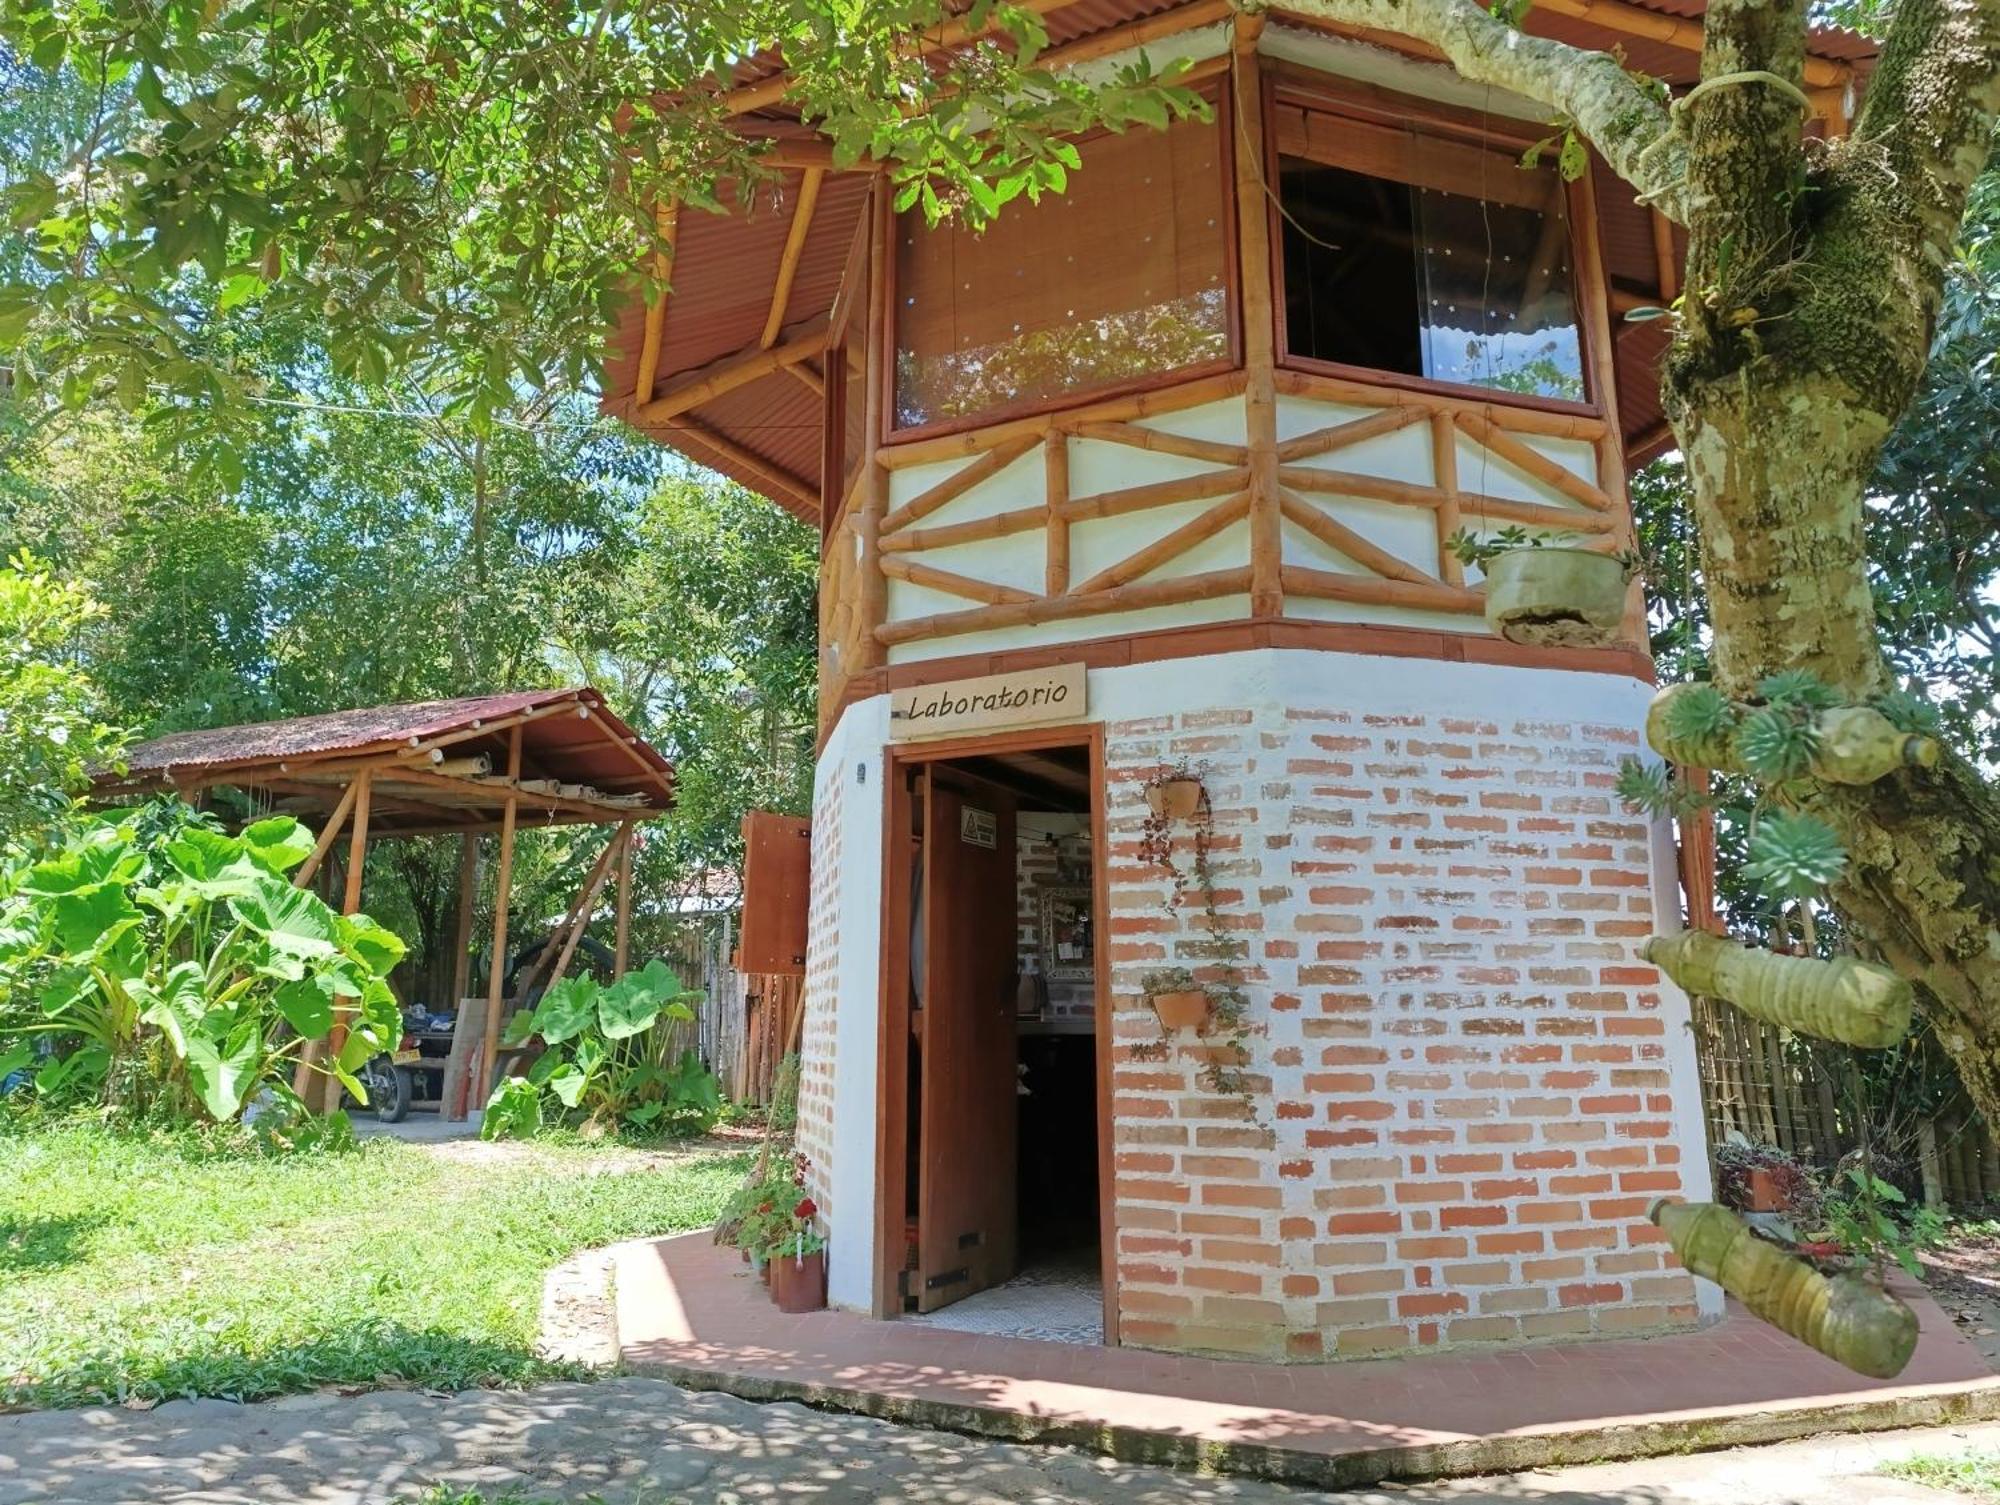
(177, 1007)
(374, 946)
(1777, 743)
(88, 921)
(566, 1010)
(568, 1084)
(307, 1006)
(294, 923)
(279, 843)
(1799, 687)
(1698, 714)
(514, 1111)
(224, 1072)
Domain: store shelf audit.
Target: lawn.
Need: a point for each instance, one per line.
(137, 1268)
(1975, 1474)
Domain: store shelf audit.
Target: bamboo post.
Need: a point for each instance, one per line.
(328, 835)
(1444, 475)
(1260, 396)
(465, 1024)
(667, 219)
(1055, 469)
(587, 900)
(350, 903)
(503, 892)
(621, 950)
(874, 478)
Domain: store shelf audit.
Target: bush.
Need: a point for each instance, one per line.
(608, 1062)
(155, 965)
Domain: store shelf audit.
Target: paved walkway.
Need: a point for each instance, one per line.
(646, 1442)
(691, 1312)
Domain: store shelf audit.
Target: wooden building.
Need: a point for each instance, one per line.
(1174, 454)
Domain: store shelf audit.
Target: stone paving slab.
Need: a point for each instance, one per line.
(638, 1441)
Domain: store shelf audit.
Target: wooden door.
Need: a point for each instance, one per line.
(966, 1173)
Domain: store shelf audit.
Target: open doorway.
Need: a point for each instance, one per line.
(994, 1145)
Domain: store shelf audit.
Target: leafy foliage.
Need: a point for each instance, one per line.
(608, 1061)
(1874, 1221)
(1699, 714)
(161, 966)
(1777, 742)
(459, 191)
(51, 733)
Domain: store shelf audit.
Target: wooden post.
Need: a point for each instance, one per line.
(587, 900)
(875, 408)
(1260, 396)
(328, 835)
(465, 1026)
(503, 892)
(621, 949)
(1055, 469)
(667, 217)
(1444, 475)
(350, 903)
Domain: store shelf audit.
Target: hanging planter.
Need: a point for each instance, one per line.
(1854, 1002)
(1848, 1317)
(1178, 1001)
(1555, 596)
(1177, 798)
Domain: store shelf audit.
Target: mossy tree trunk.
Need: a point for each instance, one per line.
(1814, 277)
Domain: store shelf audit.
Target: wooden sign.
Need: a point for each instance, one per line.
(1030, 697)
(978, 828)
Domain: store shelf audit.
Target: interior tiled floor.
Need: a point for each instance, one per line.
(1056, 1300)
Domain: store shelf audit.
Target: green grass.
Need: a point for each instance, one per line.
(1975, 1474)
(151, 1268)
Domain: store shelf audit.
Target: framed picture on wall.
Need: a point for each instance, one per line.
(1069, 934)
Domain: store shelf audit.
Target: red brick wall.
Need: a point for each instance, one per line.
(1458, 1102)
(817, 1054)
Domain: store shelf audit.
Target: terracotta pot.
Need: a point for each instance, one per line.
(798, 1284)
(1174, 799)
(1555, 596)
(1185, 1009)
(1763, 1191)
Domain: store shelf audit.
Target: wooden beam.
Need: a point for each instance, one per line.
(465, 1023)
(765, 475)
(803, 373)
(978, 530)
(1175, 592)
(726, 375)
(668, 218)
(1523, 418)
(1444, 472)
(1136, 34)
(788, 259)
(959, 482)
(625, 745)
(1327, 585)
(1260, 361)
(503, 894)
(1340, 435)
(328, 835)
(1149, 403)
(1158, 494)
(1534, 462)
(1169, 546)
(1666, 265)
(1055, 496)
(621, 945)
(1159, 442)
(588, 900)
(350, 903)
(1338, 536)
(898, 568)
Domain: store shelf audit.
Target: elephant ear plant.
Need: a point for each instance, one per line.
(158, 965)
(609, 1061)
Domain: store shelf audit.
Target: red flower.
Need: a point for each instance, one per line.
(806, 1208)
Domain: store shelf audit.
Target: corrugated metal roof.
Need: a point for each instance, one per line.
(591, 747)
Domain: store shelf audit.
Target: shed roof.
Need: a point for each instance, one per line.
(765, 432)
(580, 763)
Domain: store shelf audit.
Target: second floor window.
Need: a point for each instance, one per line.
(1122, 276)
(1425, 255)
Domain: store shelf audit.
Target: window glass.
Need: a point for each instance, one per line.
(1121, 276)
(1426, 256)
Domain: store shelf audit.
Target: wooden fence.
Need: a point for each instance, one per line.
(747, 1022)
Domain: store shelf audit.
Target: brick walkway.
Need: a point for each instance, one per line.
(692, 1311)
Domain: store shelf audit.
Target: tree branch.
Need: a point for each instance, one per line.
(1931, 107)
(1629, 126)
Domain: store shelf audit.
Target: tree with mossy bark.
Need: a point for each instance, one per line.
(461, 189)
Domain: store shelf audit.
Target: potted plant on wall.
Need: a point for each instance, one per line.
(1177, 999)
(794, 1248)
(1175, 794)
(1543, 590)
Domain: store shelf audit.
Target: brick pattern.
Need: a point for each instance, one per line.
(1037, 867)
(1458, 1103)
(822, 991)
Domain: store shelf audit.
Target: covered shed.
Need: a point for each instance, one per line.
(483, 763)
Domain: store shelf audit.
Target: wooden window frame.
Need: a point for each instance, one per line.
(1375, 106)
(1221, 97)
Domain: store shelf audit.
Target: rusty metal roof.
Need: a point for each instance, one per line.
(579, 762)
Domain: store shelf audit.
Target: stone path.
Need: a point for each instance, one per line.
(647, 1442)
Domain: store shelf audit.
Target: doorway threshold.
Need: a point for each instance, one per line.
(1057, 1300)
